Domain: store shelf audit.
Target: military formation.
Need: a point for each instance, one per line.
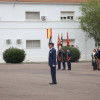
(62, 58)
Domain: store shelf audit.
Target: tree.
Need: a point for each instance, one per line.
(90, 19)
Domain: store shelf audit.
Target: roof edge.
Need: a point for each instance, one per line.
(11, 2)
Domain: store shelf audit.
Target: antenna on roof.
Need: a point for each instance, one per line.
(15, 3)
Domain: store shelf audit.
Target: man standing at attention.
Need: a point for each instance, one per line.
(63, 59)
(52, 63)
(59, 59)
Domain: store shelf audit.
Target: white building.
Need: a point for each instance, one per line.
(24, 25)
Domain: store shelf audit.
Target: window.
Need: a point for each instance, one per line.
(67, 15)
(33, 15)
(32, 44)
(72, 17)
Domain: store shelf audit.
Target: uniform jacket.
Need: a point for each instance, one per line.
(98, 54)
(52, 57)
(58, 57)
(63, 56)
(69, 56)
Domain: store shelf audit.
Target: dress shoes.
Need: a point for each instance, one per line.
(69, 69)
(63, 69)
(53, 83)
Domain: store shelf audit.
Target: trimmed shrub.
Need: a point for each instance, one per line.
(75, 53)
(14, 55)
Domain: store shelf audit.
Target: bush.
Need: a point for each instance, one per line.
(75, 53)
(14, 55)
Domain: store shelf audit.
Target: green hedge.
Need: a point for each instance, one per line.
(14, 55)
(75, 53)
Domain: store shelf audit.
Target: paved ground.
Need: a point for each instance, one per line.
(30, 82)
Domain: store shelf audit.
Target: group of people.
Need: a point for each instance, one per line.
(62, 58)
(52, 61)
(96, 59)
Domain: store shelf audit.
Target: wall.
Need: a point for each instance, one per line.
(13, 25)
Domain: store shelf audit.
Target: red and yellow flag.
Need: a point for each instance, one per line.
(49, 33)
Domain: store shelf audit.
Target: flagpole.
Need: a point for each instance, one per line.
(58, 43)
(62, 46)
(61, 40)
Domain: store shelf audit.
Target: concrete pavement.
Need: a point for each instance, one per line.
(31, 82)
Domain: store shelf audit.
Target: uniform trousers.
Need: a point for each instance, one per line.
(53, 73)
(69, 65)
(59, 64)
(64, 65)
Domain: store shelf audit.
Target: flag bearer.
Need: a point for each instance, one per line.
(59, 59)
(63, 59)
(69, 59)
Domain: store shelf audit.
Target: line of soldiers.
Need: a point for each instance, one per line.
(62, 57)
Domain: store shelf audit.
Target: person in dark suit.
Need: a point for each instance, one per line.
(69, 59)
(94, 61)
(97, 56)
(52, 63)
(63, 59)
(97, 49)
(59, 59)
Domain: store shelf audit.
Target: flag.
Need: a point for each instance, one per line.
(58, 44)
(67, 40)
(49, 33)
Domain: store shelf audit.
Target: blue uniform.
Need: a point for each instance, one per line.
(69, 62)
(52, 64)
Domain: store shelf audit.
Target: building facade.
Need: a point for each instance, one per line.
(24, 24)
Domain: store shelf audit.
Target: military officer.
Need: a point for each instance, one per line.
(69, 59)
(59, 59)
(52, 63)
(63, 59)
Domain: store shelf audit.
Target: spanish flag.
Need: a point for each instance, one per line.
(49, 33)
